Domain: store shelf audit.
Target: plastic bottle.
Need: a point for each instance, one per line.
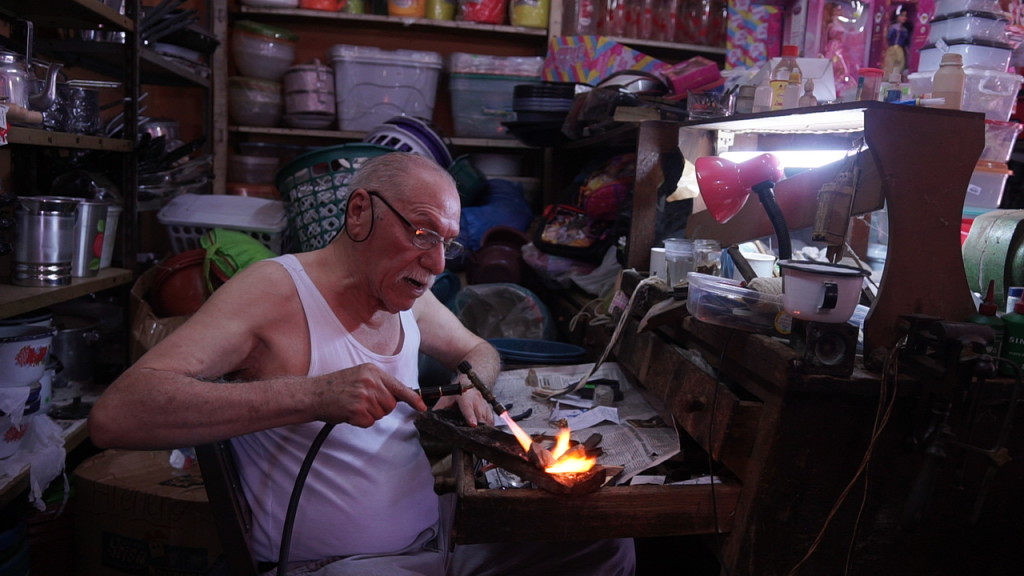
(1013, 339)
(762, 98)
(948, 81)
(987, 315)
(786, 80)
(808, 99)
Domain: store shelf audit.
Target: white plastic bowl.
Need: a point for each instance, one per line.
(262, 51)
(23, 353)
(254, 102)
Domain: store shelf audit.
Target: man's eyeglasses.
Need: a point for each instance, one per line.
(423, 238)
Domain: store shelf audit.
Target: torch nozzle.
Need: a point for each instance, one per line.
(467, 369)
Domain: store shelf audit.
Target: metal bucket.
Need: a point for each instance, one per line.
(44, 240)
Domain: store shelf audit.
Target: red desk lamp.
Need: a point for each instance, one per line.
(725, 186)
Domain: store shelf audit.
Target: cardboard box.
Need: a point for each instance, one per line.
(590, 59)
(147, 329)
(136, 514)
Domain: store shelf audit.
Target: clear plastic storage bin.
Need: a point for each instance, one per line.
(987, 183)
(944, 7)
(999, 139)
(373, 85)
(481, 102)
(976, 54)
(993, 93)
(972, 25)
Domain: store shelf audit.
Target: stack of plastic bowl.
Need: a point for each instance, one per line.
(262, 54)
(540, 112)
(24, 355)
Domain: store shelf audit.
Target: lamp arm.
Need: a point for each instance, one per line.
(766, 193)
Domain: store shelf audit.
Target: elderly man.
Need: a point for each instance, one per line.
(333, 336)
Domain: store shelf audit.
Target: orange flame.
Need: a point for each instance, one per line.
(524, 439)
(564, 464)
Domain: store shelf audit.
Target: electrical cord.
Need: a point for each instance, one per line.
(293, 502)
(891, 369)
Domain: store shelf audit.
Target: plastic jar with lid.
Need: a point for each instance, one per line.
(678, 259)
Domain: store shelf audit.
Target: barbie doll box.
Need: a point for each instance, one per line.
(817, 69)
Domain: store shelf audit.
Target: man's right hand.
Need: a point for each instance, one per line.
(361, 395)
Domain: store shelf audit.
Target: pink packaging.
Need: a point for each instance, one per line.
(691, 74)
(590, 59)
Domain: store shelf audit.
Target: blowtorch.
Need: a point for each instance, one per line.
(432, 394)
(467, 369)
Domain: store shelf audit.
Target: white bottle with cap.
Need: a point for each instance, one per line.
(948, 81)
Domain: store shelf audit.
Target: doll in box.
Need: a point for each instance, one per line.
(835, 47)
(897, 38)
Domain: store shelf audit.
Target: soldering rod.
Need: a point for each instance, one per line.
(467, 369)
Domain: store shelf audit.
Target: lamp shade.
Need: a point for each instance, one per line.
(725, 185)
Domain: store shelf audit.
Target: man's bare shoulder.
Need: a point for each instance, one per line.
(262, 289)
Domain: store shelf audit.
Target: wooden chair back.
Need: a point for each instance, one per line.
(231, 511)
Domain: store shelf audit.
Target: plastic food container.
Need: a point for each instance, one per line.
(944, 7)
(262, 51)
(976, 54)
(373, 85)
(987, 183)
(999, 140)
(725, 302)
(993, 93)
(481, 102)
(254, 102)
(973, 25)
(309, 88)
(253, 169)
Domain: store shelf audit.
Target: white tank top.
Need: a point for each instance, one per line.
(370, 490)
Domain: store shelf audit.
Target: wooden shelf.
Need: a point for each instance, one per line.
(16, 300)
(394, 21)
(358, 136)
(40, 137)
(84, 14)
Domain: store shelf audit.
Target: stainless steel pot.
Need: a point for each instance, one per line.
(74, 347)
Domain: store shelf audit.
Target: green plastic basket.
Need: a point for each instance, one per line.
(314, 187)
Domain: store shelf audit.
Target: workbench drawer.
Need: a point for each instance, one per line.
(722, 420)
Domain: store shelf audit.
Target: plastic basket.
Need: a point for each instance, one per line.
(314, 187)
(188, 217)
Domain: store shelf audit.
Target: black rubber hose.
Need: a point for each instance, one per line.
(766, 193)
(293, 502)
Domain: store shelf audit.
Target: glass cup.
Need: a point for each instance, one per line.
(707, 256)
(712, 104)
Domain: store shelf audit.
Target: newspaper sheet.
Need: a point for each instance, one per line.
(633, 436)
